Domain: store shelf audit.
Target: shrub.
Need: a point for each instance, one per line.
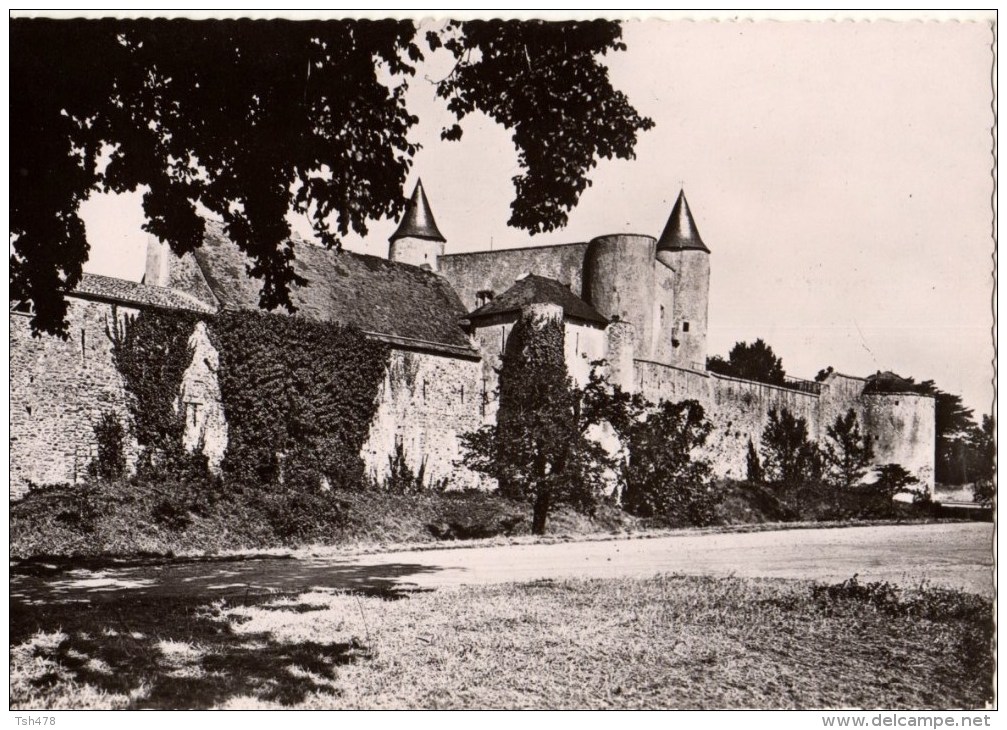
(401, 478)
(789, 457)
(753, 465)
(662, 478)
(110, 460)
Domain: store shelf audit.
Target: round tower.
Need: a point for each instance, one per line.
(682, 251)
(417, 241)
(619, 282)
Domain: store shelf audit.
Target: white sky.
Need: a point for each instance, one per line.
(838, 172)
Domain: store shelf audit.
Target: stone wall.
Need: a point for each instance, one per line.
(470, 273)
(740, 411)
(583, 343)
(902, 426)
(425, 403)
(199, 398)
(737, 409)
(58, 390)
(416, 252)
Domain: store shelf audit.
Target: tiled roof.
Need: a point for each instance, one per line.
(121, 291)
(532, 289)
(393, 301)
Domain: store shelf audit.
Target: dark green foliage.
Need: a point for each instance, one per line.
(789, 457)
(253, 118)
(824, 373)
(401, 478)
(151, 352)
(538, 450)
(755, 361)
(753, 465)
(877, 499)
(957, 458)
(848, 453)
(933, 604)
(298, 396)
(892, 479)
(662, 477)
(110, 461)
(543, 82)
(984, 445)
(300, 515)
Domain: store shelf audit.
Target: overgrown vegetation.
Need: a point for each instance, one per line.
(658, 643)
(135, 516)
(110, 436)
(539, 450)
(663, 476)
(151, 351)
(299, 397)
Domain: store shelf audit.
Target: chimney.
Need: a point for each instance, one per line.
(158, 259)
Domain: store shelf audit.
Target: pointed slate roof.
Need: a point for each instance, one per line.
(680, 233)
(532, 289)
(418, 221)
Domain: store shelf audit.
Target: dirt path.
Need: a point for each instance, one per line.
(955, 555)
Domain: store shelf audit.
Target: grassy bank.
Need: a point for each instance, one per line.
(128, 518)
(131, 517)
(667, 642)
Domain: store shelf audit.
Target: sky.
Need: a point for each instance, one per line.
(839, 172)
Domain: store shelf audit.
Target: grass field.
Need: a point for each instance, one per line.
(666, 642)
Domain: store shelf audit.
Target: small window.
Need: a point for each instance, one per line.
(83, 346)
(685, 326)
(483, 297)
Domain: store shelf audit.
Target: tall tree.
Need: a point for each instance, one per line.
(789, 457)
(538, 450)
(848, 452)
(252, 119)
(755, 361)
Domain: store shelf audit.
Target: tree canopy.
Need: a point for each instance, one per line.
(252, 119)
(755, 361)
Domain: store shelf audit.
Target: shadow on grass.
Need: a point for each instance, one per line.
(47, 583)
(177, 651)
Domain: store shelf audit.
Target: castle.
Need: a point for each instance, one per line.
(636, 301)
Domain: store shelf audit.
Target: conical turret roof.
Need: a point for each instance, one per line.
(418, 221)
(680, 233)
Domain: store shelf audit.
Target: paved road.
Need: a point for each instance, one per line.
(955, 555)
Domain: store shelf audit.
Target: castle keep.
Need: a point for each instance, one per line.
(636, 301)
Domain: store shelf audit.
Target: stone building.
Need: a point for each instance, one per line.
(636, 301)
